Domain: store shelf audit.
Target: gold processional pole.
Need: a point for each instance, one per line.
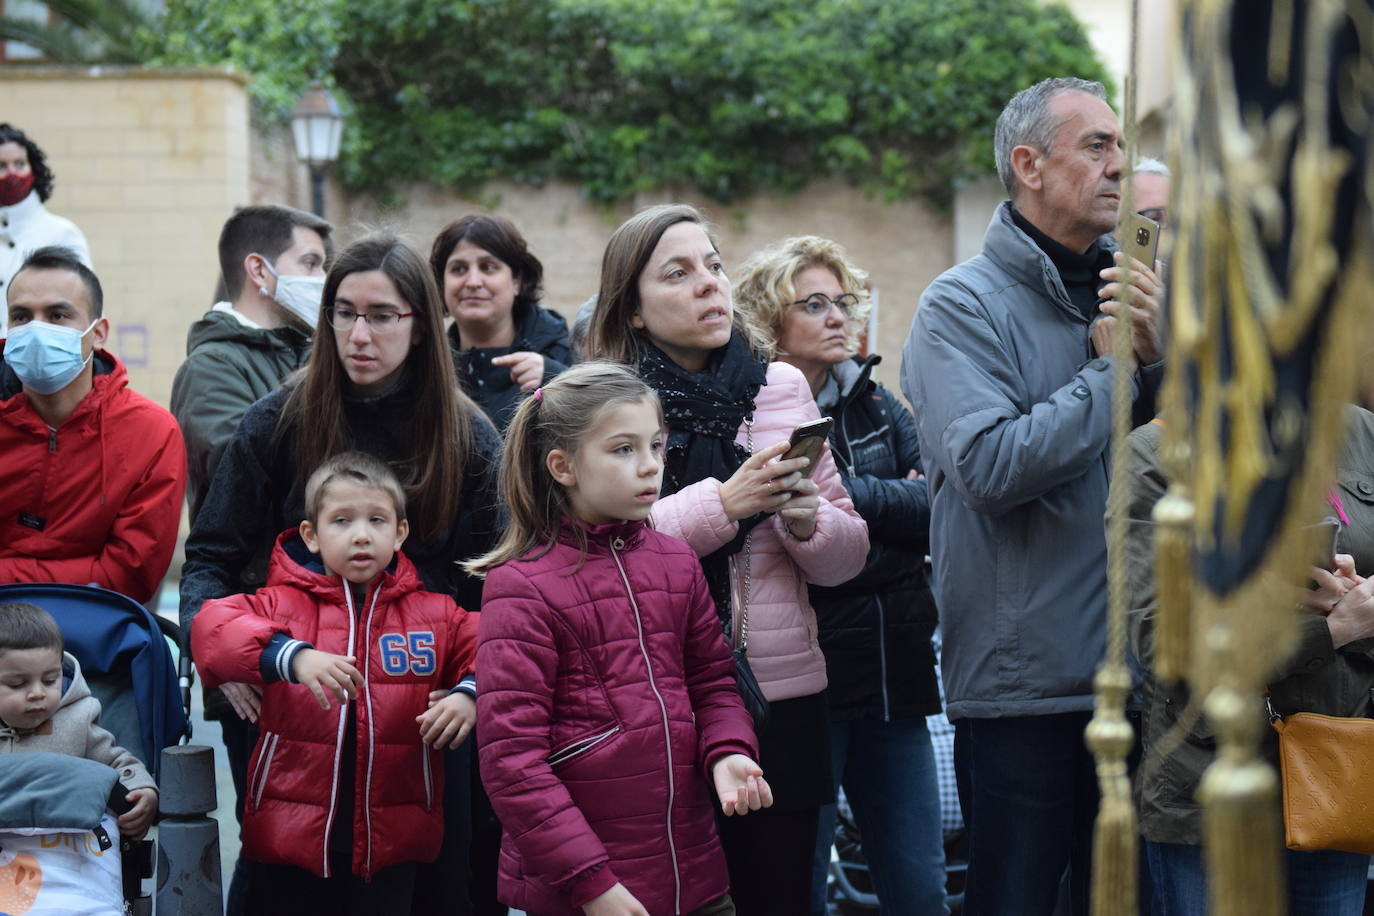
(1109, 735)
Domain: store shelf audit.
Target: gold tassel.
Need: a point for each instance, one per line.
(1115, 836)
(1241, 825)
(1173, 516)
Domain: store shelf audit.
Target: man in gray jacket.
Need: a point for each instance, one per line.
(1007, 371)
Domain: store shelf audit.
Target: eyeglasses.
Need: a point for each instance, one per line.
(818, 304)
(345, 319)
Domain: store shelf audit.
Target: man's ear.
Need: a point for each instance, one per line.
(256, 274)
(1025, 165)
(560, 467)
(308, 535)
(100, 333)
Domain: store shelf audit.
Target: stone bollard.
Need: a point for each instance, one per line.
(188, 867)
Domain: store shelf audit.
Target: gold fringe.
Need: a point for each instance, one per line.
(1173, 516)
(1241, 839)
(1115, 854)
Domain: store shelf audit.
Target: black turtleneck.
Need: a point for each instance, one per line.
(1078, 271)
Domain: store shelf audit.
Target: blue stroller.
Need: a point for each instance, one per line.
(126, 661)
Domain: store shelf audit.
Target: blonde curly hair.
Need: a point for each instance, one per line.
(766, 286)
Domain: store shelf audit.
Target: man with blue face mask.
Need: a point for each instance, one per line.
(93, 473)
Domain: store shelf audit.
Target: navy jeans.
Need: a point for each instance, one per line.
(888, 773)
(1325, 883)
(1029, 794)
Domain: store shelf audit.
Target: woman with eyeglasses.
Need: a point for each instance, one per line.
(763, 526)
(379, 380)
(507, 344)
(875, 629)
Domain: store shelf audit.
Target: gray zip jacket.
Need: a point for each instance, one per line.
(1013, 412)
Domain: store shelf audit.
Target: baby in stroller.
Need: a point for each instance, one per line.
(38, 714)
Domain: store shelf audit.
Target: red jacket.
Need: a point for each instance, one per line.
(607, 691)
(99, 498)
(407, 642)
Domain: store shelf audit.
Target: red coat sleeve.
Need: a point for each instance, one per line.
(462, 656)
(517, 661)
(228, 636)
(723, 725)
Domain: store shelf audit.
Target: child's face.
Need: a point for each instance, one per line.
(356, 533)
(616, 471)
(30, 686)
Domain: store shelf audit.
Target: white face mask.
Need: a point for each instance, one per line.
(298, 295)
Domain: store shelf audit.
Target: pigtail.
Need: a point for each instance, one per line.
(531, 496)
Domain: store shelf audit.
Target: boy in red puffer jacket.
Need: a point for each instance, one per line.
(344, 799)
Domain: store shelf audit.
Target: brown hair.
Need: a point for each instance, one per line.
(441, 436)
(767, 285)
(28, 626)
(627, 254)
(499, 238)
(558, 416)
(354, 467)
(265, 229)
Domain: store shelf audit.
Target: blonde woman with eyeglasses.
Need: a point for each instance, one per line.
(875, 629)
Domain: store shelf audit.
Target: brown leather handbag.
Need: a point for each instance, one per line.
(1327, 765)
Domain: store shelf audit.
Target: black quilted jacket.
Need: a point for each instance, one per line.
(876, 628)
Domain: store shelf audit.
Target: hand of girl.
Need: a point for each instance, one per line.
(761, 484)
(526, 368)
(136, 821)
(245, 698)
(448, 721)
(617, 901)
(740, 785)
(799, 511)
(325, 673)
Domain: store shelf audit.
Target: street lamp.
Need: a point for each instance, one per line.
(317, 126)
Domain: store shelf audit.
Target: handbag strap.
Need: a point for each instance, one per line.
(748, 552)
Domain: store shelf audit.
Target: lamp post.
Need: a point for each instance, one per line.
(317, 126)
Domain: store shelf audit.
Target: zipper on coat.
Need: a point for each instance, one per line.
(616, 546)
(429, 779)
(52, 440)
(264, 765)
(580, 746)
(339, 737)
(371, 743)
(882, 654)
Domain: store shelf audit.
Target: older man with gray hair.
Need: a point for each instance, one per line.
(1008, 368)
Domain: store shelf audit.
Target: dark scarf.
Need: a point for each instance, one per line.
(704, 411)
(1078, 271)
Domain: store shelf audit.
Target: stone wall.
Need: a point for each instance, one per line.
(148, 163)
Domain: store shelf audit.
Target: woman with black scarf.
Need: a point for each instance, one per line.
(763, 530)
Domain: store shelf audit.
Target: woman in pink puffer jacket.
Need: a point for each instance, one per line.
(762, 529)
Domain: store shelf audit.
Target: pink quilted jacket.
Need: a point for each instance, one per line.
(607, 691)
(783, 647)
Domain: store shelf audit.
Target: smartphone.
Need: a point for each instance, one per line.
(807, 441)
(1140, 239)
(1328, 530)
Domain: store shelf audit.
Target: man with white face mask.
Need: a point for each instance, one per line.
(92, 473)
(272, 259)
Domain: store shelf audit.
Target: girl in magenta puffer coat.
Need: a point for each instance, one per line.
(611, 723)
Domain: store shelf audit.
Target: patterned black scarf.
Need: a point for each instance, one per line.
(704, 411)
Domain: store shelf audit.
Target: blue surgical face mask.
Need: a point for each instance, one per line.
(46, 357)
